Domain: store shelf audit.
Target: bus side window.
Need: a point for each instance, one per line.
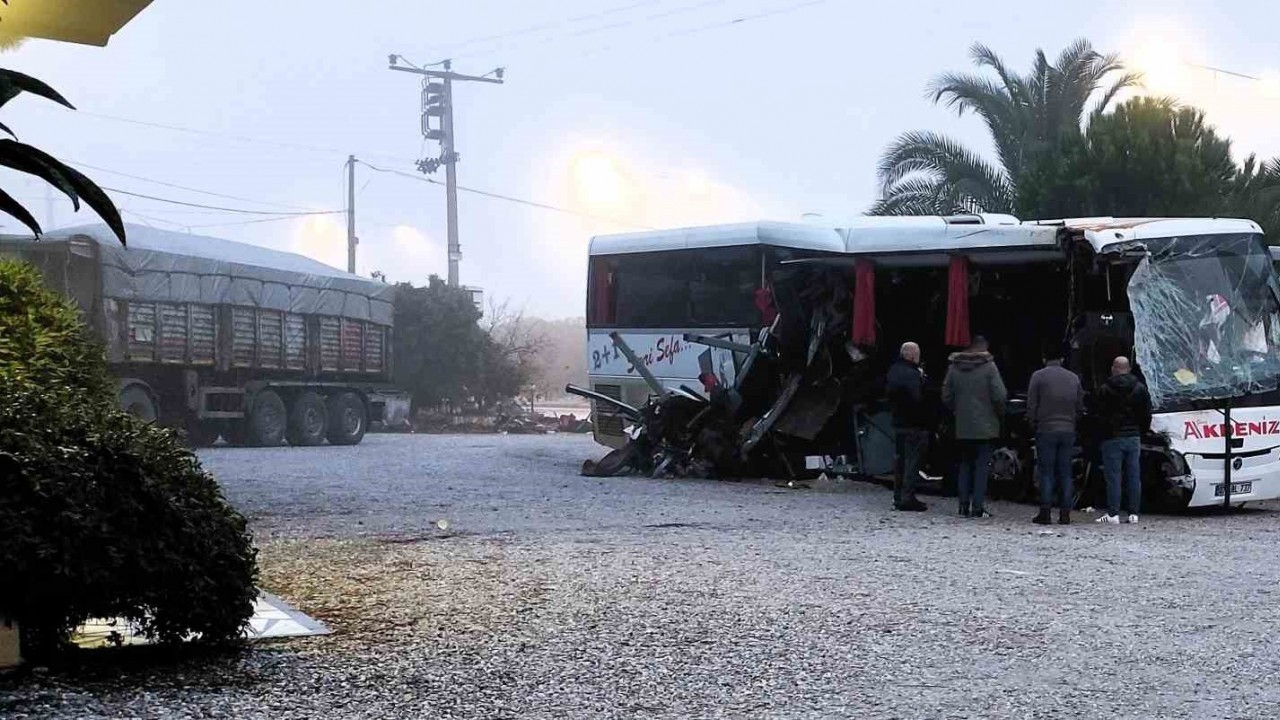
(603, 301)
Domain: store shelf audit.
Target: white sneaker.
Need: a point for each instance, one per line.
(1133, 519)
(1109, 520)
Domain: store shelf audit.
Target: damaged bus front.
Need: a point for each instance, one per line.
(1205, 312)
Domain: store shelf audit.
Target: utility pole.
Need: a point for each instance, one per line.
(351, 214)
(437, 102)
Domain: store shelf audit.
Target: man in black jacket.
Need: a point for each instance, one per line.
(1123, 407)
(911, 419)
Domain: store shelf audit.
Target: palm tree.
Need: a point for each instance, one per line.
(1255, 193)
(925, 173)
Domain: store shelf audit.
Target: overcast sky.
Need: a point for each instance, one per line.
(654, 113)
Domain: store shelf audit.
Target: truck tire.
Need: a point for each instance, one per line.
(308, 420)
(137, 401)
(348, 419)
(267, 420)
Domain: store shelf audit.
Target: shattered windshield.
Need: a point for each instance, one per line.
(1206, 313)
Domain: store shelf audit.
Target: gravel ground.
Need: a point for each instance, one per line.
(550, 595)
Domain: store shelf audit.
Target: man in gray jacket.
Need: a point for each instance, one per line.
(976, 395)
(1055, 399)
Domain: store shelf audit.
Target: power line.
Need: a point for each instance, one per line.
(188, 189)
(748, 18)
(243, 211)
(508, 198)
(535, 28)
(320, 149)
(682, 10)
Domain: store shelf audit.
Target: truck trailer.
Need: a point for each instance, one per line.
(225, 339)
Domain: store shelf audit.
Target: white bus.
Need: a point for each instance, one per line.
(1194, 300)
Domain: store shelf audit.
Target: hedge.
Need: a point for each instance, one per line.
(102, 515)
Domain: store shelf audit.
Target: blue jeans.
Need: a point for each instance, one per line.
(1120, 462)
(975, 468)
(1053, 461)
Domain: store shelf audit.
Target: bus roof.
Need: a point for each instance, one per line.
(781, 234)
(1001, 235)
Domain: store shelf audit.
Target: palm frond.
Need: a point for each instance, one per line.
(984, 56)
(1127, 80)
(939, 157)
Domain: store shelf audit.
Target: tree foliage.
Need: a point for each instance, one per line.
(443, 352)
(103, 515)
(1029, 117)
(1152, 158)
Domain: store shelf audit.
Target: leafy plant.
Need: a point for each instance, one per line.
(33, 161)
(925, 173)
(103, 515)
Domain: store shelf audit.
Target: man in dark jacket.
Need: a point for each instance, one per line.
(911, 419)
(1123, 407)
(976, 395)
(1055, 399)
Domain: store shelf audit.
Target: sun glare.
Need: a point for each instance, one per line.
(598, 181)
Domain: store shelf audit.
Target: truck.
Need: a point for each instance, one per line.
(228, 340)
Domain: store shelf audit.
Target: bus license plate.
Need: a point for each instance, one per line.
(1240, 488)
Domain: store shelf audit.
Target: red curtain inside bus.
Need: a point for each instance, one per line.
(957, 332)
(604, 301)
(764, 303)
(864, 304)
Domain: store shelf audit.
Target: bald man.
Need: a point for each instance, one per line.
(1123, 407)
(911, 424)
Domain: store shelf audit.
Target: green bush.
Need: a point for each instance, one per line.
(101, 515)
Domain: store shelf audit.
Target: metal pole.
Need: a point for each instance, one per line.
(1226, 469)
(451, 184)
(351, 214)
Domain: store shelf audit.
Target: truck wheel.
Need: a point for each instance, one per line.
(136, 401)
(267, 420)
(347, 419)
(308, 420)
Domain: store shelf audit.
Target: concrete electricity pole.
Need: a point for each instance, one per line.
(437, 102)
(351, 214)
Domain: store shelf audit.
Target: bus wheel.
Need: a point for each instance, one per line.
(347, 419)
(135, 400)
(267, 420)
(308, 420)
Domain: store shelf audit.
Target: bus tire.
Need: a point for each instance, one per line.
(308, 420)
(268, 420)
(137, 401)
(348, 419)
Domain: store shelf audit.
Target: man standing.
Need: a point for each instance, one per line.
(1123, 407)
(976, 395)
(1054, 401)
(905, 386)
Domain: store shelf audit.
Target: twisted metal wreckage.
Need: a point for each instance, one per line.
(780, 407)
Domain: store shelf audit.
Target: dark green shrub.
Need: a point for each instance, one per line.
(101, 515)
